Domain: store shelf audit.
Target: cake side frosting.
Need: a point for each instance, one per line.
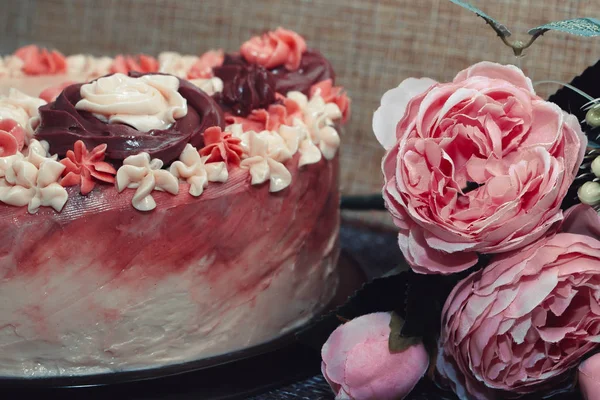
(160, 210)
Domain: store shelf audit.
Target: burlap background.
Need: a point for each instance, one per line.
(372, 44)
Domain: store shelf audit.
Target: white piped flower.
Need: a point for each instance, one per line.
(27, 184)
(318, 120)
(141, 173)
(262, 166)
(193, 170)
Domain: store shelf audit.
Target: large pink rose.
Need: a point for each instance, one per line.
(478, 165)
(358, 365)
(519, 325)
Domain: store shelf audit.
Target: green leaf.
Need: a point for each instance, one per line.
(579, 26)
(498, 27)
(396, 342)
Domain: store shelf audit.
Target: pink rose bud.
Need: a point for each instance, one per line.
(589, 378)
(358, 365)
(477, 165)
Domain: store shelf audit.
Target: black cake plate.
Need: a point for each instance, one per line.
(232, 375)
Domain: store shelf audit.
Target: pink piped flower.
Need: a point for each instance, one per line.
(12, 137)
(140, 63)
(521, 324)
(358, 365)
(203, 68)
(333, 94)
(221, 146)
(40, 61)
(271, 118)
(477, 165)
(85, 167)
(50, 94)
(272, 49)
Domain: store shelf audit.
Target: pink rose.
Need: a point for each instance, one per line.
(519, 325)
(281, 47)
(358, 365)
(589, 378)
(478, 165)
(12, 137)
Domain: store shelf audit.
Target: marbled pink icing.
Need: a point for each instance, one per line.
(101, 286)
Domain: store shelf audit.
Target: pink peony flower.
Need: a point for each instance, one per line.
(12, 137)
(522, 323)
(478, 165)
(589, 378)
(280, 47)
(203, 68)
(358, 365)
(39, 61)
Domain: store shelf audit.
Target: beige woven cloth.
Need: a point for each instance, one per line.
(373, 45)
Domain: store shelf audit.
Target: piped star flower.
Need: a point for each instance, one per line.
(221, 146)
(141, 173)
(85, 167)
(194, 171)
(262, 166)
(26, 184)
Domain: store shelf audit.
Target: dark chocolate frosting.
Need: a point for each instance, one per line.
(314, 68)
(61, 124)
(246, 87)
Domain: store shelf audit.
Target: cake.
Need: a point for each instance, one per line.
(155, 211)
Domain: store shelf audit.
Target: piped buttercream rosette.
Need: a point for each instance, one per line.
(153, 113)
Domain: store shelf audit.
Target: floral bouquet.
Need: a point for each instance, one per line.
(494, 192)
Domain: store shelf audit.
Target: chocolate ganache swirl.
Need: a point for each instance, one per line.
(247, 86)
(61, 124)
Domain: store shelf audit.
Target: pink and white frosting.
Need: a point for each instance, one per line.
(204, 65)
(40, 61)
(22, 109)
(196, 171)
(87, 66)
(32, 180)
(276, 48)
(145, 175)
(145, 103)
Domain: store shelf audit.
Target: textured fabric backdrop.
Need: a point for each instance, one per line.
(373, 45)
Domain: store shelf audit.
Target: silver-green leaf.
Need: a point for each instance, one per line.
(498, 27)
(579, 26)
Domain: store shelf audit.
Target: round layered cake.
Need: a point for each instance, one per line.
(155, 211)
